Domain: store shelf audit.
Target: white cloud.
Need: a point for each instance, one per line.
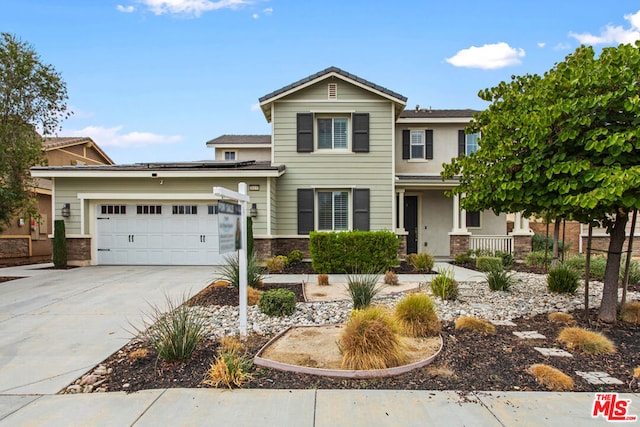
(541, 44)
(487, 57)
(125, 9)
(113, 137)
(562, 46)
(255, 107)
(191, 7)
(268, 11)
(613, 34)
(255, 16)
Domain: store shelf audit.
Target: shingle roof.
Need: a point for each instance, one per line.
(54, 142)
(337, 71)
(439, 114)
(241, 139)
(194, 165)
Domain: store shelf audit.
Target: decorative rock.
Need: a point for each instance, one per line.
(529, 335)
(598, 378)
(557, 352)
(74, 388)
(89, 379)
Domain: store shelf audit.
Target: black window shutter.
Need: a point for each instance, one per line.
(360, 132)
(361, 209)
(304, 127)
(406, 144)
(428, 152)
(461, 143)
(305, 210)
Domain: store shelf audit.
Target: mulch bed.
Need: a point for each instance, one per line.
(469, 361)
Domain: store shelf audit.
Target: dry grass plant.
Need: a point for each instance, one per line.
(631, 312)
(139, 354)
(323, 280)
(636, 373)
(473, 324)
(552, 378)
(391, 278)
(416, 316)
(229, 370)
(561, 318)
(370, 341)
(231, 345)
(253, 295)
(586, 341)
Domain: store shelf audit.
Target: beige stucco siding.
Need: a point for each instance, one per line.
(445, 147)
(335, 169)
(150, 189)
(242, 154)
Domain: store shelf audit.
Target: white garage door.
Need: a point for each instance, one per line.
(157, 234)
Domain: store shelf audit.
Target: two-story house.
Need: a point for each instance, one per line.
(343, 154)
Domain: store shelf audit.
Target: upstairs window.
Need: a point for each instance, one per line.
(229, 155)
(333, 133)
(417, 144)
(471, 143)
(333, 210)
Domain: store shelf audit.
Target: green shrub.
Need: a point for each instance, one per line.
(597, 266)
(444, 285)
(464, 258)
(277, 302)
(174, 334)
(346, 252)
(295, 257)
(537, 258)
(538, 243)
(416, 314)
(507, 257)
(488, 263)
(499, 279)
(363, 287)
(59, 244)
(420, 262)
(576, 264)
(562, 280)
(231, 271)
(634, 271)
(276, 264)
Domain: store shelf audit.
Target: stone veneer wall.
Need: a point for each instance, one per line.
(458, 244)
(17, 247)
(600, 245)
(78, 250)
(521, 246)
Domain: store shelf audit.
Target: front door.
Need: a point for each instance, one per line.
(411, 223)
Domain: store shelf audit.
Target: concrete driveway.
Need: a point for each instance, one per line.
(57, 324)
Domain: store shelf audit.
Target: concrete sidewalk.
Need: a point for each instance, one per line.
(302, 408)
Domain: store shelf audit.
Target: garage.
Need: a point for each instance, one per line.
(155, 233)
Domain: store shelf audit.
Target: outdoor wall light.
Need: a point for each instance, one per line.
(254, 210)
(66, 210)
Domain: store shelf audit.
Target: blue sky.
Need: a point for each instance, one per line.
(153, 80)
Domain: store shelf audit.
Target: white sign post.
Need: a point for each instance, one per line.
(240, 196)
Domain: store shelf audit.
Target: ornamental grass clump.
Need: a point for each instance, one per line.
(371, 341)
(631, 312)
(444, 285)
(488, 263)
(323, 280)
(231, 367)
(561, 318)
(586, 341)
(276, 264)
(173, 334)
(562, 280)
(552, 378)
(362, 288)
(499, 279)
(473, 324)
(253, 295)
(390, 278)
(231, 271)
(416, 316)
(420, 262)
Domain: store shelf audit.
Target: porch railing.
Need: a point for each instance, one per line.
(491, 243)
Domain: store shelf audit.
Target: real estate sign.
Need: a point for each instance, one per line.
(229, 237)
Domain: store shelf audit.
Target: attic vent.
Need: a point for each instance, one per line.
(333, 90)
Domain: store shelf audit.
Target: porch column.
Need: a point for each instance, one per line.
(456, 214)
(517, 223)
(401, 210)
(463, 220)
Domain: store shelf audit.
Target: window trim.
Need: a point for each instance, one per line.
(235, 155)
(423, 144)
(333, 192)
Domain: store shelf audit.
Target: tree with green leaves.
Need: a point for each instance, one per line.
(32, 102)
(567, 144)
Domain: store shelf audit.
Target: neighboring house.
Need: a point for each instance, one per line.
(26, 239)
(344, 154)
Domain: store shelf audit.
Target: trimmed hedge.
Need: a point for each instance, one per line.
(353, 251)
(488, 263)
